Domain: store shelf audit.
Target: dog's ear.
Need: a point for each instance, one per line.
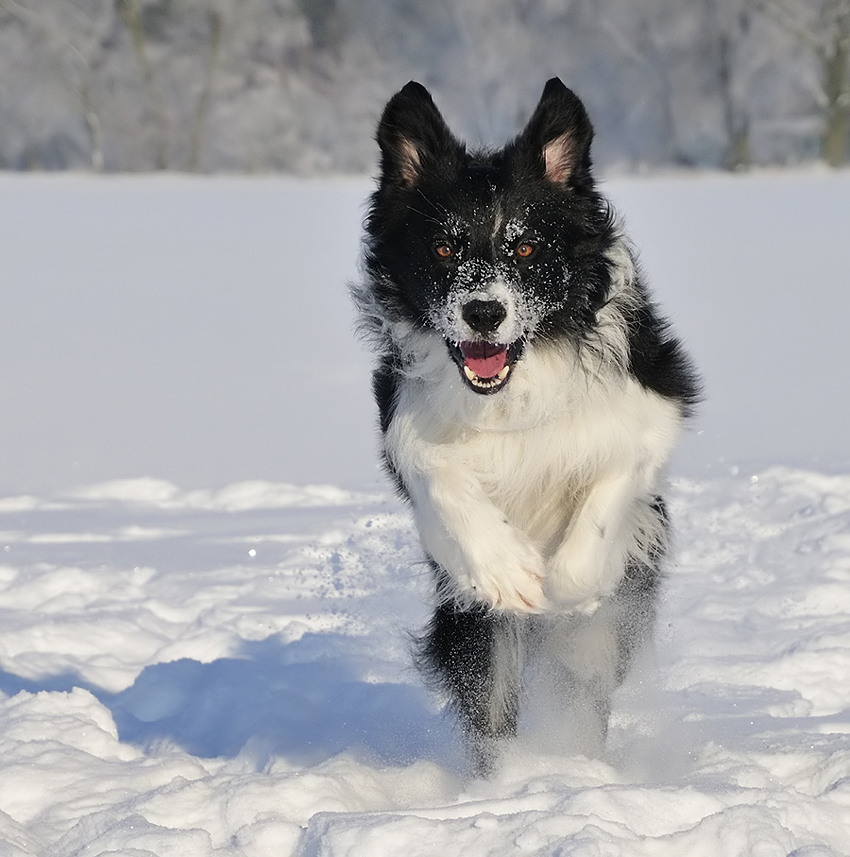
(556, 141)
(414, 138)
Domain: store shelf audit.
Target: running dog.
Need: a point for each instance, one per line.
(529, 396)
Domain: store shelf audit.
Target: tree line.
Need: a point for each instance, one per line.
(297, 85)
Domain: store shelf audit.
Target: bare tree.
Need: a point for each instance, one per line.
(68, 38)
(823, 26)
(640, 48)
(730, 23)
(214, 20)
(131, 12)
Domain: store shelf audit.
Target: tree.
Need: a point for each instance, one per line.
(823, 27)
(67, 38)
(729, 21)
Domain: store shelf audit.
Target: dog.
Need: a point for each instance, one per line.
(529, 396)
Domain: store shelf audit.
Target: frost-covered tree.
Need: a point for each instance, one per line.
(822, 27)
(727, 29)
(190, 56)
(297, 85)
(52, 52)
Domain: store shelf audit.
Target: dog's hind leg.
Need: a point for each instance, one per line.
(579, 661)
(475, 655)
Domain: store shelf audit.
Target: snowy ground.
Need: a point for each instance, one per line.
(224, 670)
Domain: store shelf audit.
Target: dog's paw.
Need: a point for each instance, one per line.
(581, 574)
(507, 573)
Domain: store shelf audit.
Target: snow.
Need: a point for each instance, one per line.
(206, 588)
(158, 326)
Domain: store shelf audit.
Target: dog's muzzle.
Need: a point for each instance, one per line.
(485, 364)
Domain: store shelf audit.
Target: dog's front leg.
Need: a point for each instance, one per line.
(590, 562)
(488, 558)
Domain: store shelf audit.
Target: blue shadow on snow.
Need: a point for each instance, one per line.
(305, 710)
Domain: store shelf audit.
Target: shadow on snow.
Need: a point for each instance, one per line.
(271, 698)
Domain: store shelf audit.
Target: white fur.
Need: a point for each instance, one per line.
(533, 498)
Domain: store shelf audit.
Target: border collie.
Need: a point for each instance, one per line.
(529, 396)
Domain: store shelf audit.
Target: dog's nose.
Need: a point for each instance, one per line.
(483, 316)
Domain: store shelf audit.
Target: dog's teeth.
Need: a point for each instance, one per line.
(488, 382)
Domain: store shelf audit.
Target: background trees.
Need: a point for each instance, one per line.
(296, 85)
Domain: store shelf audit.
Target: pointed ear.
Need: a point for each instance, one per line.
(556, 141)
(414, 138)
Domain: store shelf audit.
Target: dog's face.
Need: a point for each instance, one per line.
(488, 250)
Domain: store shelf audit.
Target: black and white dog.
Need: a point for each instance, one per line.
(529, 396)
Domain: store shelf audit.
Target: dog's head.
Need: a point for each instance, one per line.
(489, 250)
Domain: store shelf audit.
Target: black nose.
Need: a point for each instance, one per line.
(483, 316)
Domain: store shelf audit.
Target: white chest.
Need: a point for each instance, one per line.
(537, 447)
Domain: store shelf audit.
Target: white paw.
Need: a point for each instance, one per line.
(581, 574)
(506, 572)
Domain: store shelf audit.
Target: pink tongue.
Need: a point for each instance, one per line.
(483, 358)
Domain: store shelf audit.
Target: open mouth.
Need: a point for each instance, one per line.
(485, 366)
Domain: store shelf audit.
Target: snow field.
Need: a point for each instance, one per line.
(225, 671)
(199, 330)
(168, 692)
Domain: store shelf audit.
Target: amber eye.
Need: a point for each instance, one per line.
(444, 250)
(524, 250)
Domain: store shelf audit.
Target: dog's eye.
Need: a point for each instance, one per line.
(444, 250)
(525, 250)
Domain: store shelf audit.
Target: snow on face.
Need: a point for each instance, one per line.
(488, 272)
(478, 279)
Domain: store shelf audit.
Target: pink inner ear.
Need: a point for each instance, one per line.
(410, 162)
(557, 156)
